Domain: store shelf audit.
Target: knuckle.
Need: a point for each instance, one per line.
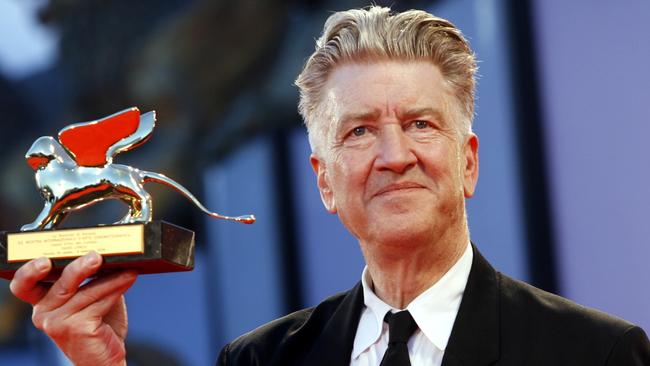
(48, 322)
(53, 327)
(47, 327)
(37, 318)
(17, 284)
(63, 290)
(60, 327)
(14, 287)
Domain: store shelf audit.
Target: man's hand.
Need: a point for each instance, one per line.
(88, 323)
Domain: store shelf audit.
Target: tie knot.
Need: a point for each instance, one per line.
(400, 326)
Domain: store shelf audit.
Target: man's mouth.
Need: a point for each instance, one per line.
(398, 187)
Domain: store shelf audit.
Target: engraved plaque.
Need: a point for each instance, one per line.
(152, 247)
(70, 243)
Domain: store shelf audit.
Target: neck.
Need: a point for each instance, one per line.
(400, 273)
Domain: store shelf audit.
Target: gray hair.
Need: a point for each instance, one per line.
(376, 33)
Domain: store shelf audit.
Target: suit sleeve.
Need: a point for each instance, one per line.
(632, 349)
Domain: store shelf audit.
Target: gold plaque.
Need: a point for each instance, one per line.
(150, 247)
(70, 243)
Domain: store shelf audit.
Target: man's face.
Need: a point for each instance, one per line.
(396, 166)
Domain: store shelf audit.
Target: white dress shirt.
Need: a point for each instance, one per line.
(434, 311)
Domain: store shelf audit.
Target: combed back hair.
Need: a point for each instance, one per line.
(376, 33)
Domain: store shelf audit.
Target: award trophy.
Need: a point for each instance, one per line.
(77, 171)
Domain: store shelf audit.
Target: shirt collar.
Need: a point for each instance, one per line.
(434, 310)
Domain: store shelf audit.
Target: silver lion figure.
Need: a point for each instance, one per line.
(77, 170)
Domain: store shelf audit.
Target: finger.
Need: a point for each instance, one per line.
(113, 310)
(116, 318)
(96, 291)
(68, 284)
(25, 284)
(74, 319)
(105, 309)
(98, 309)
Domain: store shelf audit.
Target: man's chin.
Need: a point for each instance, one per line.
(406, 226)
(394, 207)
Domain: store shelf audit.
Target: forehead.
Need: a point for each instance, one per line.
(385, 88)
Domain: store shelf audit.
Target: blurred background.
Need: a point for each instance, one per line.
(563, 117)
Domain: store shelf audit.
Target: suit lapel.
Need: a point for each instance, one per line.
(334, 345)
(474, 338)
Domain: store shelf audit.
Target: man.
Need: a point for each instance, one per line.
(388, 102)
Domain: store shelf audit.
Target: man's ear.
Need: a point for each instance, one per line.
(326, 194)
(470, 172)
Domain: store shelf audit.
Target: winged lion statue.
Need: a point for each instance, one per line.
(77, 170)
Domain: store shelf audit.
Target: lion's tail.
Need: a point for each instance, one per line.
(160, 178)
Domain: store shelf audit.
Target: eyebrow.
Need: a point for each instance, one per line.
(361, 116)
(417, 112)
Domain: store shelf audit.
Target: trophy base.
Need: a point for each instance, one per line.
(152, 247)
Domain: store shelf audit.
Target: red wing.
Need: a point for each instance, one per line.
(88, 142)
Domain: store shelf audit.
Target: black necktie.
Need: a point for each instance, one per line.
(400, 327)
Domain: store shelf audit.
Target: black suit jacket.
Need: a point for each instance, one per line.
(501, 321)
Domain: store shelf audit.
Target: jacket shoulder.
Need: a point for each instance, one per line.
(545, 306)
(288, 337)
(566, 327)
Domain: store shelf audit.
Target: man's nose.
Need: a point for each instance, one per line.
(395, 150)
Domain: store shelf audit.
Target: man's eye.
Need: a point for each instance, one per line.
(359, 131)
(421, 124)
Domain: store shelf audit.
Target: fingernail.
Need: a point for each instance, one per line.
(42, 263)
(92, 259)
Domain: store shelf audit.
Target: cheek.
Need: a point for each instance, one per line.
(435, 158)
(349, 177)
(442, 163)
